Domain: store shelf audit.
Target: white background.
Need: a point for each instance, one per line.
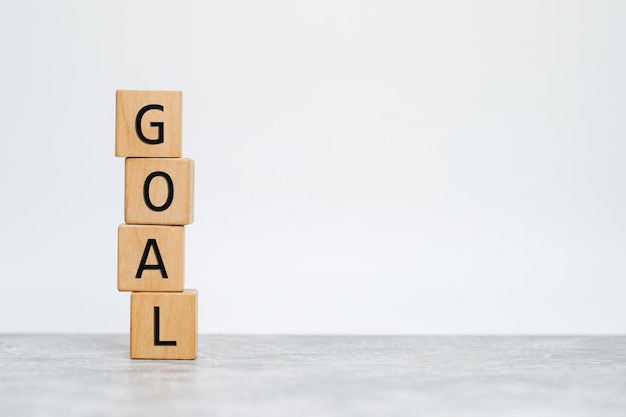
(361, 167)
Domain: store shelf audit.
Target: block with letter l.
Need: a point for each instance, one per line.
(163, 325)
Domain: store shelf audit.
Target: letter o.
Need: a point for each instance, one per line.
(170, 191)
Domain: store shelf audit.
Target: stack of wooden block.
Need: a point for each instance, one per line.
(158, 202)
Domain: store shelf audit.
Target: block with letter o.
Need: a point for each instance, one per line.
(158, 191)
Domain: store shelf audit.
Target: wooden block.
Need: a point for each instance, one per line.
(163, 325)
(150, 258)
(148, 123)
(159, 191)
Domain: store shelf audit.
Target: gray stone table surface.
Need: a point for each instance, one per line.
(90, 375)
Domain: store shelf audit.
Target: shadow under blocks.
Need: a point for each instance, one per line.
(158, 203)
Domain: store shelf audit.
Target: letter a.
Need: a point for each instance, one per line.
(151, 243)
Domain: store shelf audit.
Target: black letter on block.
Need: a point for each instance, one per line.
(158, 125)
(157, 332)
(170, 191)
(152, 243)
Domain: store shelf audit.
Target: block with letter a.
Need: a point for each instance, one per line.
(150, 258)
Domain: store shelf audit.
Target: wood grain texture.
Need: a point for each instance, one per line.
(164, 247)
(177, 323)
(155, 124)
(140, 174)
